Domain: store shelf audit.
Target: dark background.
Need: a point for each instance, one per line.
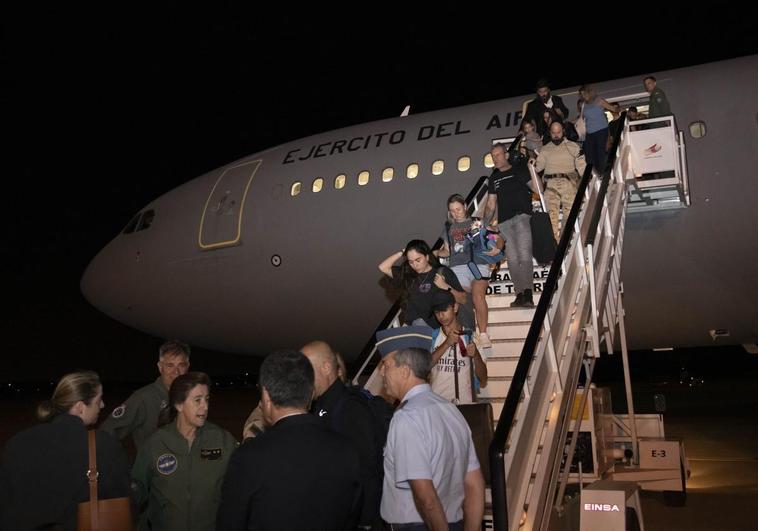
(106, 108)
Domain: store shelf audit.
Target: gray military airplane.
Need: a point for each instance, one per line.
(281, 247)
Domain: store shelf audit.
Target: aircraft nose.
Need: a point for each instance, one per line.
(108, 282)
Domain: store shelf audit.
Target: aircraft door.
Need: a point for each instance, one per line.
(221, 221)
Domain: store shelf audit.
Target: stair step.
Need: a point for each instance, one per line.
(506, 347)
(501, 366)
(508, 315)
(504, 300)
(497, 387)
(513, 330)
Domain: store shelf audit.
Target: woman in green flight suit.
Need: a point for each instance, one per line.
(180, 469)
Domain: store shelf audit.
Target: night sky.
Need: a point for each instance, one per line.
(105, 109)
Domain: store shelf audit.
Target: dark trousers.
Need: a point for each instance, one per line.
(594, 149)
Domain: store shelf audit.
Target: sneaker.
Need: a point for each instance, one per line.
(519, 300)
(527, 300)
(484, 340)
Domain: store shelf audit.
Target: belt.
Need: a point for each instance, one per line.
(454, 526)
(564, 175)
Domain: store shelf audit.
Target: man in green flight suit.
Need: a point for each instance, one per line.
(658, 105)
(138, 416)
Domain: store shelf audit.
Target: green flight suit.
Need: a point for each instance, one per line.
(658, 105)
(138, 416)
(182, 485)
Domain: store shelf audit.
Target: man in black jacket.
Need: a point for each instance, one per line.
(545, 101)
(347, 414)
(297, 474)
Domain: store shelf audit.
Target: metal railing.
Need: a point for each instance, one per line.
(497, 451)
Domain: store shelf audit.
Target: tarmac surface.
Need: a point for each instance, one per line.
(716, 419)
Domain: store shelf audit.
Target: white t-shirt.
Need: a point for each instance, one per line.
(443, 376)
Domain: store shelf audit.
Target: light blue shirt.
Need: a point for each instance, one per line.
(428, 439)
(594, 117)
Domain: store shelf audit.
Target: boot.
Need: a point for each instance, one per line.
(519, 300)
(527, 301)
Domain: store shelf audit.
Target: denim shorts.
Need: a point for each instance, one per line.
(465, 277)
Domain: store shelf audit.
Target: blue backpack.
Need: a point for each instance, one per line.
(481, 244)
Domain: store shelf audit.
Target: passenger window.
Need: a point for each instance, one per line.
(318, 184)
(438, 166)
(488, 161)
(697, 129)
(295, 190)
(464, 163)
(339, 181)
(363, 178)
(412, 171)
(146, 220)
(387, 175)
(132, 224)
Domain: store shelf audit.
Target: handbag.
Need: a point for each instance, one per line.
(113, 514)
(543, 240)
(580, 125)
(478, 416)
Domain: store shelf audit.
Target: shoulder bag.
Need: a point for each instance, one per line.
(580, 125)
(114, 514)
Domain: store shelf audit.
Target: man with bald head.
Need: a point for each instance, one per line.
(346, 413)
(563, 164)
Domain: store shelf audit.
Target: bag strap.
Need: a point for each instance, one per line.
(448, 225)
(92, 474)
(455, 372)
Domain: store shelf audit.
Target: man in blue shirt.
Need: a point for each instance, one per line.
(432, 478)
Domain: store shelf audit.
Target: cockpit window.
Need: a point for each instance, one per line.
(132, 225)
(146, 220)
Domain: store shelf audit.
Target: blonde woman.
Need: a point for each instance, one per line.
(593, 110)
(43, 476)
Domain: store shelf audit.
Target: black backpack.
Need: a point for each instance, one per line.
(381, 415)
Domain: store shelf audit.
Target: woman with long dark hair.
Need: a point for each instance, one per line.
(43, 476)
(180, 469)
(418, 277)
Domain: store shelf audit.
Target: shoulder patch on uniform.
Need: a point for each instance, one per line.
(164, 403)
(119, 411)
(167, 464)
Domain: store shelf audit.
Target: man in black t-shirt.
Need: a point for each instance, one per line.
(508, 190)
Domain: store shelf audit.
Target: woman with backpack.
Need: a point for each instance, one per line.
(418, 277)
(470, 259)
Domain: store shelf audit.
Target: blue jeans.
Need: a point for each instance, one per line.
(517, 232)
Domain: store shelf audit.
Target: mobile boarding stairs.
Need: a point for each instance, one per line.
(540, 355)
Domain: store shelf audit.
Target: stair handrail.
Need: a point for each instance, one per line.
(508, 413)
(369, 350)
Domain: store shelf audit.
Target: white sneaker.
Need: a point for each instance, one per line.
(484, 340)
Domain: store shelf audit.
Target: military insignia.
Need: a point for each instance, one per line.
(167, 464)
(119, 411)
(211, 454)
(164, 403)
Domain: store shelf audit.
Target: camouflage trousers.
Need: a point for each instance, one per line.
(559, 193)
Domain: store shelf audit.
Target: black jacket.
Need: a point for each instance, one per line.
(297, 475)
(348, 415)
(43, 474)
(535, 109)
